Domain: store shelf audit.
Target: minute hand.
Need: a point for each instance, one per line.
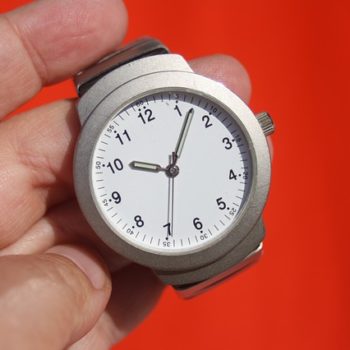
(183, 134)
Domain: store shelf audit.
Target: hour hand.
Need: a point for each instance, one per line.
(150, 167)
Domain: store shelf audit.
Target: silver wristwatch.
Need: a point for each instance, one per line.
(172, 169)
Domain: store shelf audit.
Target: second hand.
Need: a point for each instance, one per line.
(170, 224)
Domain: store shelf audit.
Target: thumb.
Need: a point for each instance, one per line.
(51, 300)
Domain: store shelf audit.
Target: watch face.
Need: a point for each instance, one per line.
(171, 172)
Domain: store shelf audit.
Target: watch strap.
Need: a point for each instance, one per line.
(188, 291)
(190, 283)
(138, 49)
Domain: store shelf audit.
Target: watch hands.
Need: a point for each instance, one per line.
(151, 167)
(183, 135)
(171, 170)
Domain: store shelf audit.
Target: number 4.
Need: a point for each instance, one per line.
(232, 175)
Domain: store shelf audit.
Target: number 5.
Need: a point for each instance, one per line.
(221, 204)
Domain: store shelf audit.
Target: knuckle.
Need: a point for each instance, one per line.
(64, 274)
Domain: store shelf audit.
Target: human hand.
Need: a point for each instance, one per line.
(56, 276)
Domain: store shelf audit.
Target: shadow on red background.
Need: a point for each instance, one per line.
(297, 53)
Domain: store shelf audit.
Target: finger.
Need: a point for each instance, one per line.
(136, 291)
(64, 224)
(36, 158)
(227, 70)
(36, 153)
(101, 337)
(56, 298)
(231, 73)
(47, 41)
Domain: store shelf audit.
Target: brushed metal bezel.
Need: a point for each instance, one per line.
(237, 109)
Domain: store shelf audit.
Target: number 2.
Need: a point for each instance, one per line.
(206, 120)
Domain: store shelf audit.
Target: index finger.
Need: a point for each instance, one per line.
(48, 41)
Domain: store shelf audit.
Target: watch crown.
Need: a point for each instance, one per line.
(266, 123)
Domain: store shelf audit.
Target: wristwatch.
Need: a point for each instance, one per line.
(171, 169)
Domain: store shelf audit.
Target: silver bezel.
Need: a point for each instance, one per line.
(174, 81)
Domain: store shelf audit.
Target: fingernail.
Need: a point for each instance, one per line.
(86, 261)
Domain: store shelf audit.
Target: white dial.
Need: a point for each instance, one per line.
(171, 172)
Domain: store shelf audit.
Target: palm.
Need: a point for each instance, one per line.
(38, 210)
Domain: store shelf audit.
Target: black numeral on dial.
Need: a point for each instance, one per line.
(138, 221)
(206, 120)
(116, 166)
(197, 224)
(176, 108)
(116, 197)
(227, 142)
(123, 137)
(147, 117)
(232, 175)
(168, 230)
(221, 204)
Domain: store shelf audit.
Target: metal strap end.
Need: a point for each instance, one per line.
(138, 49)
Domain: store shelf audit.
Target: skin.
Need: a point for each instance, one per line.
(60, 287)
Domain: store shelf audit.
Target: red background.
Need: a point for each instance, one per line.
(297, 53)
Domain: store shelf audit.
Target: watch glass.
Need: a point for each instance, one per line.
(171, 172)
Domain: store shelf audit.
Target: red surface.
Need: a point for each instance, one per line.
(297, 53)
